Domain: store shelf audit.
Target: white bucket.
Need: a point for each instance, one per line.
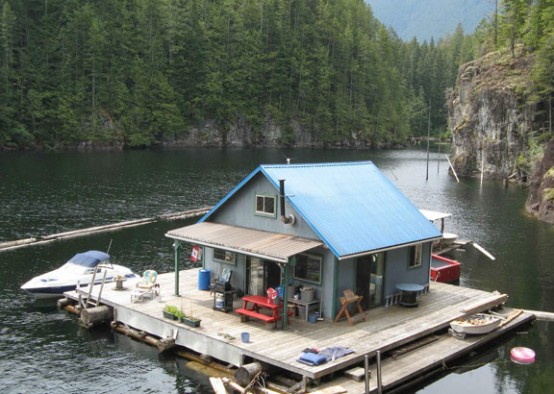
(219, 301)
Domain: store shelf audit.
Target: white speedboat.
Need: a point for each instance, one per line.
(78, 271)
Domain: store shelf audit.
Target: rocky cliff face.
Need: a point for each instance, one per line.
(490, 119)
(494, 127)
(541, 195)
(241, 134)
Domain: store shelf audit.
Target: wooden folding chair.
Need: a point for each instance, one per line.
(350, 299)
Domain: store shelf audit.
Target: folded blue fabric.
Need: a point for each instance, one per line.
(312, 359)
(332, 353)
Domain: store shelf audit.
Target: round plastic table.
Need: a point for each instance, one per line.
(409, 293)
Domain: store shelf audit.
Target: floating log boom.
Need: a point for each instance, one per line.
(9, 245)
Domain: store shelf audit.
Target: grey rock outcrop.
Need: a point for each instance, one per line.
(541, 195)
(490, 118)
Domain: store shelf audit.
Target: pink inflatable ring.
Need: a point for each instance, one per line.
(522, 355)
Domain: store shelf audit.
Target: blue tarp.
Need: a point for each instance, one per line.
(90, 259)
(332, 353)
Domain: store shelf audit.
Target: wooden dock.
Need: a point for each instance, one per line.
(384, 330)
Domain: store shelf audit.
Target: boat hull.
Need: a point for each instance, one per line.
(44, 292)
(445, 270)
(49, 292)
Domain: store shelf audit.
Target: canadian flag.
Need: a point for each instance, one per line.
(196, 254)
(271, 293)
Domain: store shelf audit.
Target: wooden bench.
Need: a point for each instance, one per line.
(246, 313)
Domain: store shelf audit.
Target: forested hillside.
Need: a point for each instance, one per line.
(139, 73)
(431, 19)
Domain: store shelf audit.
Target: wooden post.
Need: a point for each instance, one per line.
(452, 167)
(428, 138)
(482, 166)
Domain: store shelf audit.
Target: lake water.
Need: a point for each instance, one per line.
(43, 350)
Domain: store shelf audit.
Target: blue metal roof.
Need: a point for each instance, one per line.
(352, 206)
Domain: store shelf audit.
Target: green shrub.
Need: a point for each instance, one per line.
(171, 309)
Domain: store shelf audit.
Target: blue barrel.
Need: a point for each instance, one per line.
(204, 279)
(280, 292)
(312, 317)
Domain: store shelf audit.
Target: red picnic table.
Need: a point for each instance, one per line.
(252, 305)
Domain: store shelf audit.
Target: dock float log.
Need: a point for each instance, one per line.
(541, 315)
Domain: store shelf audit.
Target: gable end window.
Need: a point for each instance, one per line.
(265, 205)
(416, 256)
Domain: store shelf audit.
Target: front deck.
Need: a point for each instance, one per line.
(219, 335)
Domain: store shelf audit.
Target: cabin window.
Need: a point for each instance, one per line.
(224, 256)
(416, 256)
(265, 205)
(308, 268)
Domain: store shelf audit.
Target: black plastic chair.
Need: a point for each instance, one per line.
(223, 283)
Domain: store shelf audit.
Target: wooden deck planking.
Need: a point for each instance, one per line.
(384, 328)
(425, 360)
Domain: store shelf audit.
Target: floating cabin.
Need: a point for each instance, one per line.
(328, 227)
(349, 257)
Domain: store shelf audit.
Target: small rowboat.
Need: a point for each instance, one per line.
(478, 324)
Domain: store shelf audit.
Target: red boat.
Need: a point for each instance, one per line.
(444, 270)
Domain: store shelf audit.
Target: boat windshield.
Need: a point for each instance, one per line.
(73, 268)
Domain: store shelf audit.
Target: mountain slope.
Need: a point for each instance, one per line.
(426, 19)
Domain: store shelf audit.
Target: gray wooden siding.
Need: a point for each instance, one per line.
(239, 210)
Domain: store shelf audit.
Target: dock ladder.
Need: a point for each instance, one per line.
(85, 297)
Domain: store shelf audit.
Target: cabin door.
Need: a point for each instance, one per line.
(376, 279)
(255, 277)
(272, 275)
(262, 275)
(369, 279)
(363, 273)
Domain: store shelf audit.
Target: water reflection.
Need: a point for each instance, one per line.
(44, 350)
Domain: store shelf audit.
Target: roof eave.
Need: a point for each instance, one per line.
(234, 250)
(386, 249)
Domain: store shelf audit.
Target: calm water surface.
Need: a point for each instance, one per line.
(43, 350)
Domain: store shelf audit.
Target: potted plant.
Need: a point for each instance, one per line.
(179, 314)
(189, 319)
(170, 311)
